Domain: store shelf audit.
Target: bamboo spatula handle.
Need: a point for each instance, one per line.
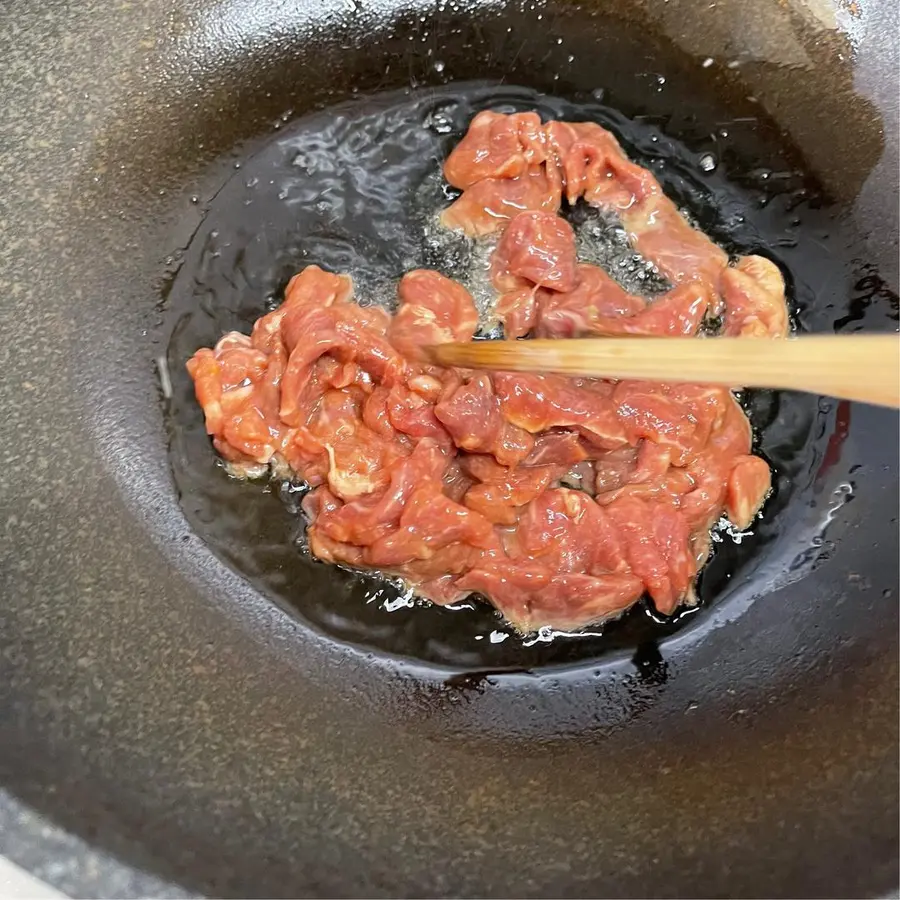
(851, 367)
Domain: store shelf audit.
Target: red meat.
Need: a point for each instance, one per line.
(454, 480)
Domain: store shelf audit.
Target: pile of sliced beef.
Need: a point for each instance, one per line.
(561, 500)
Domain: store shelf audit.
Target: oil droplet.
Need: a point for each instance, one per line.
(708, 162)
(439, 122)
(708, 62)
(438, 66)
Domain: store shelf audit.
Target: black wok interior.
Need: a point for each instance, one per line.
(241, 723)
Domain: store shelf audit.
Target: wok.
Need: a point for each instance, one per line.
(156, 700)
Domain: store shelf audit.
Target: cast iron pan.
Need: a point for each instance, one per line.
(184, 689)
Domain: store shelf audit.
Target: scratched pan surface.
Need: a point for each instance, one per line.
(182, 688)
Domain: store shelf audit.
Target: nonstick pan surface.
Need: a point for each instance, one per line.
(200, 715)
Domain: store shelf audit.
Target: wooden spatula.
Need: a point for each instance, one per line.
(851, 367)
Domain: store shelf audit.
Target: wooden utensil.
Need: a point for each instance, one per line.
(851, 367)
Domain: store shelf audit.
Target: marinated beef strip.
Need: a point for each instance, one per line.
(545, 292)
(510, 164)
(561, 500)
